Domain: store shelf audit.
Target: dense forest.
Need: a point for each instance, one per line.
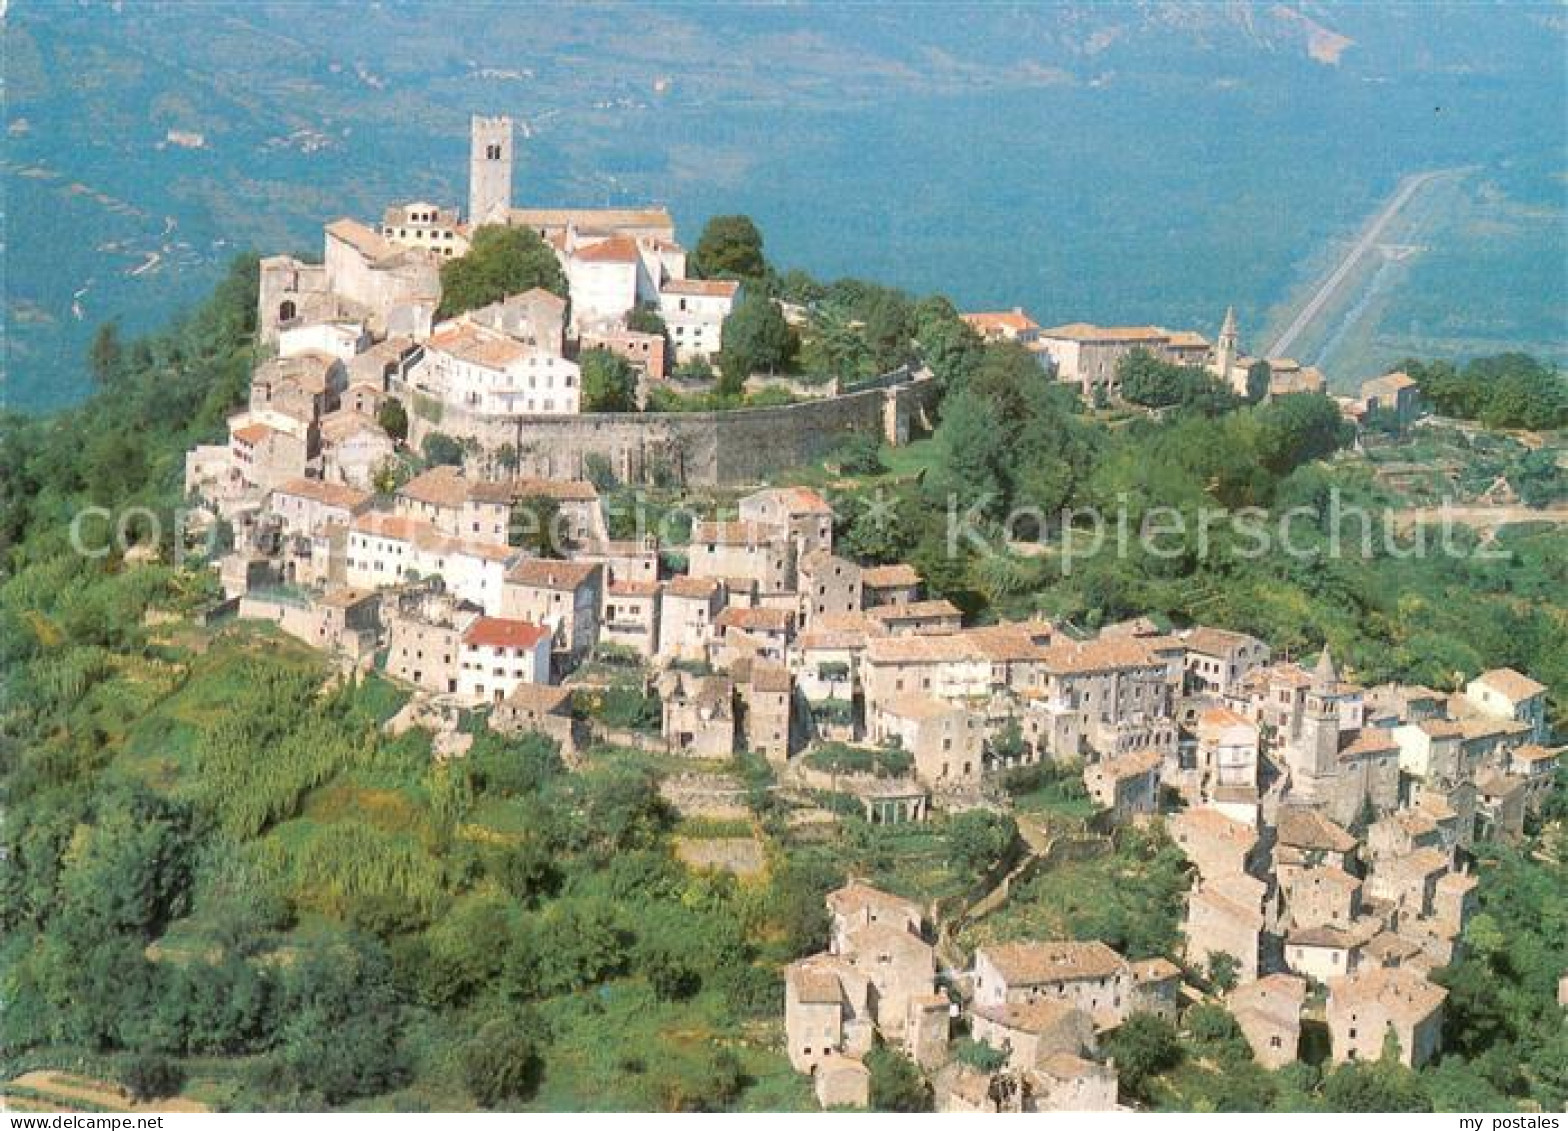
(223, 875)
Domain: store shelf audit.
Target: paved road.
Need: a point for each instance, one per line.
(1369, 236)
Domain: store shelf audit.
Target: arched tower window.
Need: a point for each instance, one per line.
(287, 311)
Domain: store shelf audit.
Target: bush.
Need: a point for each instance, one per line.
(150, 1077)
(502, 1062)
(439, 448)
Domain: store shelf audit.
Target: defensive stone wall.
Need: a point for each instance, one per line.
(735, 447)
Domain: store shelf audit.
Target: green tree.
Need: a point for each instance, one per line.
(536, 525)
(501, 261)
(756, 339)
(502, 1064)
(978, 839)
(106, 354)
(151, 1077)
(1259, 377)
(1145, 1046)
(646, 320)
(1381, 1086)
(609, 382)
(439, 448)
(730, 247)
(393, 418)
(896, 1084)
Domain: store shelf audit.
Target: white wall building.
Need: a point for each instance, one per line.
(473, 367)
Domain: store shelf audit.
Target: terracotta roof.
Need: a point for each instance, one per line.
(1212, 823)
(396, 527)
(889, 576)
(1369, 741)
(1275, 996)
(1155, 970)
(538, 698)
(440, 486)
(1533, 753)
(1514, 685)
(710, 288)
(737, 533)
(1399, 990)
(1125, 766)
(1441, 728)
(794, 500)
(253, 433)
(328, 494)
(856, 895)
(1216, 641)
(1017, 642)
(914, 705)
(770, 679)
(1300, 827)
(916, 610)
(608, 218)
(633, 589)
(561, 490)
(1038, 963)
(499, 632)
(698, 588)
(1088, 332)
(551, 573)
(344, 597)
(1388, 383)
(1319, 937)
(816, 985)
(1031, 1016)
(1075, 658)
(1014, 319)
(477, 345)
(363, 239)
(1216, 718)
(943, 648)
(756, 620)
(616, 249)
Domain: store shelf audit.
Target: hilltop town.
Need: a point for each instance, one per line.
(1326, 824)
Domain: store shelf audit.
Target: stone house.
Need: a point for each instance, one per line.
(1029, 1032)
(497, 654)
(424, 638)
(264, 456)
(1408, 882)
(1156, 987)
(303, 506)
(565, 596)
(946, 741)
(762, 552)
(841, 1082)
(918, 617)
(767, 700)
(1537, 767)
(688, 606)
(623, 559)
(1500, 806)
(1070, 1083)
(1305, 838)
(1363, 1007)
(470, 367)
(1396, 393)
(1506, 694)
(1217, 660)
(1003, 325)
(1087, 975)
(889, 585)
(829, 587)
(1217, 845)
(353, 448)
(1128, 785)
(631, 616)
(1318, 897)
(827, 1010)
(801, 511)
(950, 667)
(927, 1030)
(1322, 953)
(746, 633)
(1226, 917)
(901, 967)
(541, 707)
(1268, 1012)
(699, 714)
(856, 905)
(342, 620)
(695, 310)
(455, 505)
(645, 352)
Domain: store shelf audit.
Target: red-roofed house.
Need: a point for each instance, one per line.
(497, 654)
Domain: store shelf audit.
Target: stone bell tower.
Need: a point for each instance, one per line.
(489, 170)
